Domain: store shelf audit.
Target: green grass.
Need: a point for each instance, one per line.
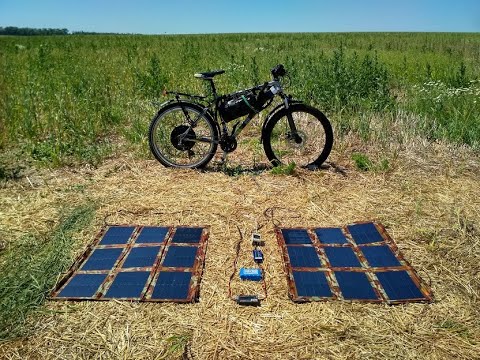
(287, 169)
(29, 270)
(364, 163)
(68, 99)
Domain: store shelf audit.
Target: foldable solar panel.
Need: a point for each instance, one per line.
(143, 263)
(357, 262)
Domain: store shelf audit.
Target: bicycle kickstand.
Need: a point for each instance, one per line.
(223, 159)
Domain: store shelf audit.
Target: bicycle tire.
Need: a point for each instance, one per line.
(313, 149)
(170, 123)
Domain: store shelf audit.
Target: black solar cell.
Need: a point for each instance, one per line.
(355, 285)
(331, 236)
(399, 285)
(151, 234)
(187, 235)
(352, 265)
(141, 257)
(180, 256)
(312, 283)
(102, 259)
(380, 256)
(342, 257)
(365, 233)
(128, 285)
(303, 256)
(296, 236)
(172, 285)
(82, 286)
(117, 235)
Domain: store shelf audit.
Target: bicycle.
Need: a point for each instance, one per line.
(186, 131)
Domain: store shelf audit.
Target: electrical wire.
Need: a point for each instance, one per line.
(235, 261)
(237, 254)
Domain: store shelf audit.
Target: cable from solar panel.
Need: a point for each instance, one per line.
(235, 261)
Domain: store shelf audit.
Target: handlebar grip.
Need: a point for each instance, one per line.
(278, 71)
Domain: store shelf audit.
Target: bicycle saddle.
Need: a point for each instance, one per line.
(208, 75)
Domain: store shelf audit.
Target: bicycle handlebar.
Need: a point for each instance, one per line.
(278, 71)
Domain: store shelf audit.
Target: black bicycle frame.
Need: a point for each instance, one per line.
(222, 124)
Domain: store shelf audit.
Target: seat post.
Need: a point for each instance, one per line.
(214, 91)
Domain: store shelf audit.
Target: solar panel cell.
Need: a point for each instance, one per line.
(172, 285)
(296, 236)
(82, 286)
(331, 236)
(399, 285)
(151, 234)
(355, 285)
(312, 283)
(187, 235)
(380, 256)
(180, 256)
(102, 259)
(128, 285)
(303, 256)
(342, 257)
(365, 233)
(117, 235)
(141, 257)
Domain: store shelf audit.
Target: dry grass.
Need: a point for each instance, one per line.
(429, 201)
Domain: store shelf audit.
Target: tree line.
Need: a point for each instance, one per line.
(13, 30)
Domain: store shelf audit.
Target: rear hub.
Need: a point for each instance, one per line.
(182, 137)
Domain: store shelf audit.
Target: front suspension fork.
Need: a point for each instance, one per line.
(293, 128)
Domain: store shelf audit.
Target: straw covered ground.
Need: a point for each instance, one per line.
(429, 200)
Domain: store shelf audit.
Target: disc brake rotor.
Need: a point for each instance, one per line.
(182, 136)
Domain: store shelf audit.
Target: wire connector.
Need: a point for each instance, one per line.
(257, 256)
(257, 240)
(248, 300)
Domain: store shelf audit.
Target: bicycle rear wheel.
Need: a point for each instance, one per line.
(311, 144)
(182, 136)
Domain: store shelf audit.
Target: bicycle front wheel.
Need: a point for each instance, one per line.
(182, 136)
(307, 145)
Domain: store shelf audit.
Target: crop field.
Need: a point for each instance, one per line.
(74, 117)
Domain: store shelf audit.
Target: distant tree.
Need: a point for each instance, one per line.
(13, 30)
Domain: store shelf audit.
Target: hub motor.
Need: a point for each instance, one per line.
(182, 136)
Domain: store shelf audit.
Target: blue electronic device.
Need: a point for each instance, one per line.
(251, 274)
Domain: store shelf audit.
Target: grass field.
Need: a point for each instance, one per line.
(74, 114)
(68, 98)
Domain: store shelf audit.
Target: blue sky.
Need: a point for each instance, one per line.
(227, 16)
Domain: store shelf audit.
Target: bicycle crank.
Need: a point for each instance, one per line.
(228, 144)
